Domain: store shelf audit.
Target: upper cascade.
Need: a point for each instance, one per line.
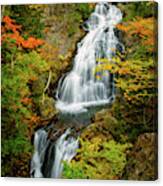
(80, 88)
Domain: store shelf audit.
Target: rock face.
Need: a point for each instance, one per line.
(63, 24)
(142, 160)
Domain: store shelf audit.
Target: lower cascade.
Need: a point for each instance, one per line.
(80, 89)
(40, 144)
(64, 150)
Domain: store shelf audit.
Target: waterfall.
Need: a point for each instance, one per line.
(64, 150)
(80, 88)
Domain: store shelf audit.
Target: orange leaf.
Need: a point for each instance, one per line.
(26, 101)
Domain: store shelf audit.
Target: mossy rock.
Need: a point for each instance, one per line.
(142, 163)
(47, 108)
(99, 127)
(108, 124)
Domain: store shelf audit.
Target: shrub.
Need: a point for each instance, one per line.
(98, 159)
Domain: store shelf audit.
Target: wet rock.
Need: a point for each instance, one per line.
(54, 134)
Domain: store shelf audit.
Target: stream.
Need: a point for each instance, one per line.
(80, 93)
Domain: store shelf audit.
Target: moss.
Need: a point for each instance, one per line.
(47, 108)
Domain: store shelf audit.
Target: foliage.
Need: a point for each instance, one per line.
(73, 171)
(21, 66)
(30, 17)
(18, 166)
(11, 36)
(17, 128)
(143, 28)
(80, 13)
(98, 159)
(85, 9)
(138, 9)
(135, 78)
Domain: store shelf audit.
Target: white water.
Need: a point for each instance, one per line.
(65, 150)
(81, 89)
(40, 144)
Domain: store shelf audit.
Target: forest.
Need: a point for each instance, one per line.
(116, 141)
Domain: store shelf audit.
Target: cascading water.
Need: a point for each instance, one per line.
(64, 149)
(40, 144)
(81, 89)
